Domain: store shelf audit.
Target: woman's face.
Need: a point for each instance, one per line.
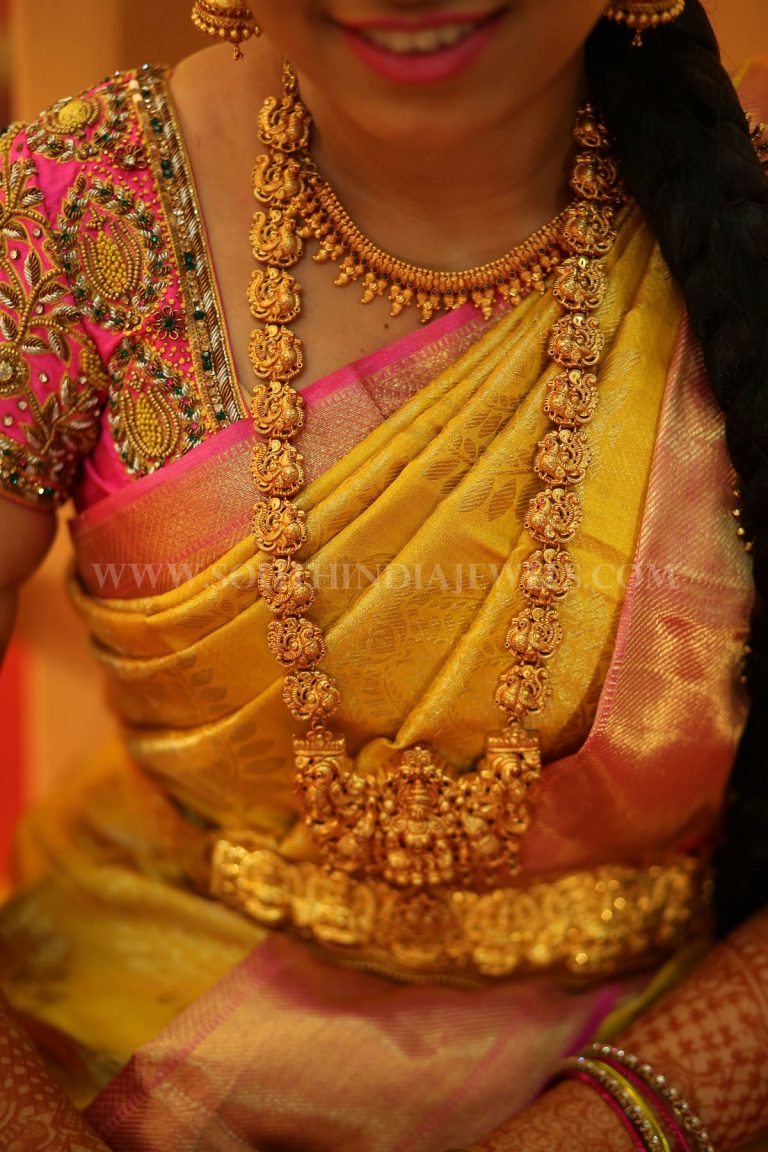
(400, 68)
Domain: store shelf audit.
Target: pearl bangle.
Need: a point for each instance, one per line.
(623, 1097)
(664, 1092)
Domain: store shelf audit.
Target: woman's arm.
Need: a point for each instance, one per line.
(25, 537)
(709, 1036)
(34, 1112)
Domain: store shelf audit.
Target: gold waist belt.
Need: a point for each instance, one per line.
(585, 925)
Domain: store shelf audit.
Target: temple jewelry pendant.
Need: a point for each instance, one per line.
(415, 824)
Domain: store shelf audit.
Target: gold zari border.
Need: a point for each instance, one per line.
(584, 925)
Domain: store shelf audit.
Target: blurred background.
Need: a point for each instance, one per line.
(51, 709)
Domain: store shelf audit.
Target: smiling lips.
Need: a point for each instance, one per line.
(423, 51)
(405, 42)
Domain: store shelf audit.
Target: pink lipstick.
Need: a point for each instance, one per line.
(423, 51)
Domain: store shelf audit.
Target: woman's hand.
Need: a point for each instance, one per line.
(569, 1117)
(709, 1036)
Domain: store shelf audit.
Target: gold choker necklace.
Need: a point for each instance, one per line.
(286, 174)
(375, 826)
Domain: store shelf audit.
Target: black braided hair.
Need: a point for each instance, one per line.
(688, 160)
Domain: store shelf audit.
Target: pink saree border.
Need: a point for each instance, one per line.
(182, 518)
(171, 1086)
(403, 346)
(707, 602)
(116, 502)
(319, 390)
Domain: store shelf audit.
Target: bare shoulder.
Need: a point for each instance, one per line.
(215, 95)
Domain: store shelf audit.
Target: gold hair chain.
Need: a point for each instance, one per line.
(417, 825)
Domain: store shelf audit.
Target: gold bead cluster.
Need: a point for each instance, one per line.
(513, 276)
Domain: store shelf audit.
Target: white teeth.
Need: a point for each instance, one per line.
(421, 41)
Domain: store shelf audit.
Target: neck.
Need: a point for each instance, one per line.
(487, 191)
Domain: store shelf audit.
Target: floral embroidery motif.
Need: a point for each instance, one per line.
(149, 425)
(152, 413)
(36, 320)
(169, 323)
(113, 252)
(86, 128)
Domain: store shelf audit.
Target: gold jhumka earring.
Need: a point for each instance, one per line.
(644, 14)
(227, 20)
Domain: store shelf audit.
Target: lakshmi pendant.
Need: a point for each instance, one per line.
(415, 824)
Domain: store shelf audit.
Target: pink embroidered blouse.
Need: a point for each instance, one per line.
(114, 358)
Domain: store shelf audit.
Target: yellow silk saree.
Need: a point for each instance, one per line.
(195, 975)
(416, 528)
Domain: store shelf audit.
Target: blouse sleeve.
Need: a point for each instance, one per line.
(52, 381)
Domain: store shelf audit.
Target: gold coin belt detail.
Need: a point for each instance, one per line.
(584, 926)
(417, 826)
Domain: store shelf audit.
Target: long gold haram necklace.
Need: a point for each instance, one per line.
(416, 824)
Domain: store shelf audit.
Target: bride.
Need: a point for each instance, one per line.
(406, 375)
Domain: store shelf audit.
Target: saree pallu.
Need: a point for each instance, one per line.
(417, 541)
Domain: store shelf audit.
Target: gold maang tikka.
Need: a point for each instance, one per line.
(375, 826)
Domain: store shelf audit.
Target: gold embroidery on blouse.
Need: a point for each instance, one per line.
(6, 143)
(153, 415)
(117, 248)
(113, 260)
(149, 425)
(73, 116)
(113, 252)
(87, 127)
(36, 320)
(218, 394)
(585, 925)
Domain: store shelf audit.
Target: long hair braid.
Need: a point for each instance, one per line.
(689, 160)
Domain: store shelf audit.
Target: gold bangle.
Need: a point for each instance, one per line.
(659, 1086)
(622, 1095)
